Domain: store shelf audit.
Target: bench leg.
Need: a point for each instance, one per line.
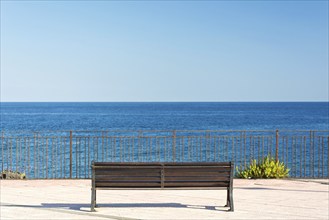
(228, 198)
(231, 200)
(93, 200)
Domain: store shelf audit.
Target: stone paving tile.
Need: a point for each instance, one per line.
(253, 199)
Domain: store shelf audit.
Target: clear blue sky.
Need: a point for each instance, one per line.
(164, 51)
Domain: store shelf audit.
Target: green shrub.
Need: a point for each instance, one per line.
(9, 174)
(267, 168)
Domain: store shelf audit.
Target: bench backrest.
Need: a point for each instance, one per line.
(162, 175)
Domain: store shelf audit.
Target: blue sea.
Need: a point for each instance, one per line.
(42, 116)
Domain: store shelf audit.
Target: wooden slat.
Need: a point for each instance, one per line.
(189, 164)
(198, 169)
(158, 185)
(129, 188)
(110, 169)
(196, 184)
(191, 173)
(147, 169)
(125, 164)
(157, 188)
(128, 178)
(127, 167)
(128, 184)
(196, 178)
(127, 172)
(130, 174)
(161, 164)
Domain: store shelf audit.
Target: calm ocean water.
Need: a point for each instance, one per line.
(165, 116)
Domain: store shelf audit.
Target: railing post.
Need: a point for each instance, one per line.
(71, 144)
(2, 154)
(244, 151)
(328, 159)
(34, 154)
(207, 145)
(140, 134)
(174, 145)
(277, 145)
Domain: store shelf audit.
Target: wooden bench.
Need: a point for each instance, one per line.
(108, 175)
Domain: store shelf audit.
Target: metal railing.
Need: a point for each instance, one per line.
(68, 154)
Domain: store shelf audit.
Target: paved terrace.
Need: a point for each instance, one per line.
(253, 199)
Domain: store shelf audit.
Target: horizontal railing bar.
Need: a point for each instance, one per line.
(145, 131)
(144, 137)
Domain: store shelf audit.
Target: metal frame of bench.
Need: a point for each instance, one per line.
(200, 175)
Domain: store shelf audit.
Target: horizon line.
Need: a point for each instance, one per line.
(156, 101)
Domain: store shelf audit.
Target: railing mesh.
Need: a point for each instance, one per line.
(68, 154)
